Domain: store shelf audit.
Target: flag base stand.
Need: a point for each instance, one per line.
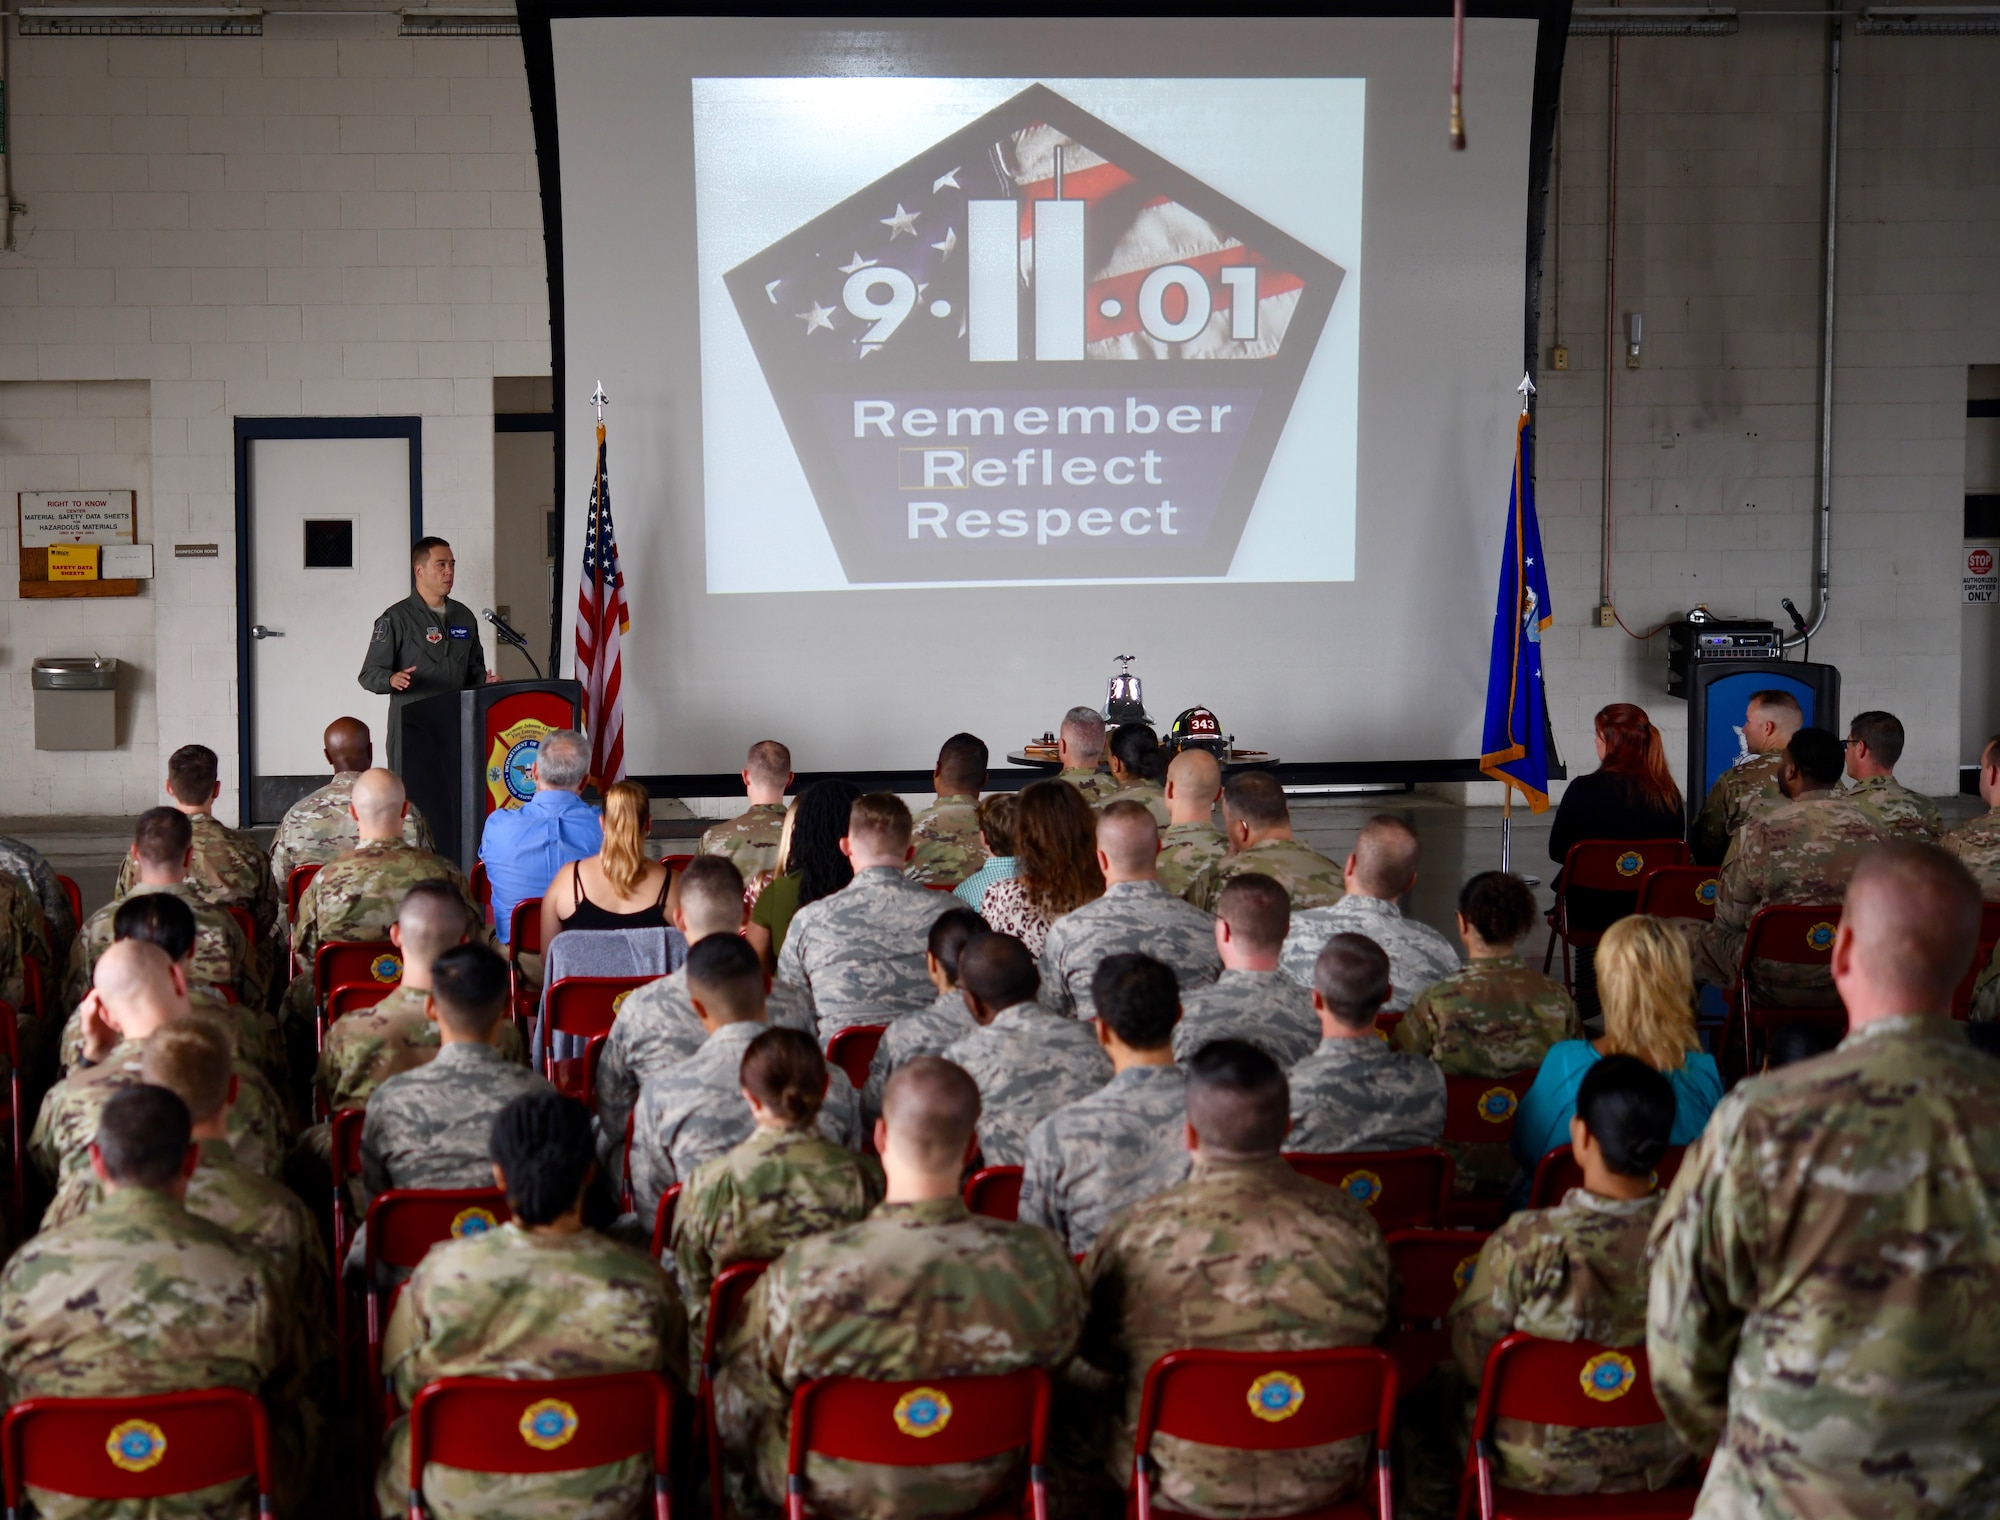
(1507, 836)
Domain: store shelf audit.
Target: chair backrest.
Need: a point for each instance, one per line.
(295, 888)
(137, 1448)
(663, 1219)
(35, 997)
(524, 927)
(345, 1127)
(245, 921)
(725, 1300)
(585, 1005)
(1989, 936)
(1680, 892)
(1482, 1109)
(404, 1223)
(1616, 865)
(1579, 1384)
(676, 863)
(359, 962)
(1400, 1189)
(530, 1425)
(853, 1050)
(995, 1191)
(1268, 1400)
(1557, 1172)
(352, 997)
(1432, 1269)
(74, 894)
(1794, 934)
(482, 889)
(576, 1076)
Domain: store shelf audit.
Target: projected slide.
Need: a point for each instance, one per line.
(1036, 348)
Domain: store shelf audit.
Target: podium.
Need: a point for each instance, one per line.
(466, 753)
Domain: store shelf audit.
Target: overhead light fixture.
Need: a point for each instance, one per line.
(139, 21)
(460, 21)
(1652, 20)
(1929, 20)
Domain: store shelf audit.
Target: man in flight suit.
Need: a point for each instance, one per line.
(425, 644)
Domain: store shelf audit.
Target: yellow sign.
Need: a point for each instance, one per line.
(1608, 1376)
(72, 562)
(136, 1446)
(514, 750)
(1276, 1396)
(548, 1424)
(922, 1412)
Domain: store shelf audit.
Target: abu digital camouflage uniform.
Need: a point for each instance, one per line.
(1745, 788)
(138, 1296)
(756, 1198)
(915, 1290)
(1243, 1256)
(1097, 786)
(1027, 1063)
(1801, 851)
(695, 1112)
(1418, 954)
(749, 840)
(1977, 846)
(927, 1032)
(1132, 917)
(1186, 850)
(859, 954)
(1267, 1008)
(1825, 1268)
(1150, 795)
(518, 1304)
(1361, 1095)
(1308, 877)
(221, 953)
(430, 1127)
(1108, 1149)
(26, 865)
(366, 1048)
(946, 835)
(320, 827)
(1897, 812)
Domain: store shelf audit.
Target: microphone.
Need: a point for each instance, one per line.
(507, 631)
(1792, 612)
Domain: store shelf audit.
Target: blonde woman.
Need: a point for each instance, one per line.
(1645, 982)
(617, 888)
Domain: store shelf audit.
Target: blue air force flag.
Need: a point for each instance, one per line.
(1515, 751)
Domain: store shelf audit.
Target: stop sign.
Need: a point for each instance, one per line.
(1979, 562)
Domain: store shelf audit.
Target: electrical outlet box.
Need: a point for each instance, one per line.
(1559, 357)
(1607, 616)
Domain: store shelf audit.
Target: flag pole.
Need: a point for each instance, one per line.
(1526, 389)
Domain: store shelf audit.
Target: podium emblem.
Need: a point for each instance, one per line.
(508, 762)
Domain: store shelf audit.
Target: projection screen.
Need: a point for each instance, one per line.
(950, 359)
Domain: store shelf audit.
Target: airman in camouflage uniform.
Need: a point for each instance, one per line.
(530, 1305)
(1896, 811)
(366, 1048)
(1186, 850)
(859, 954)
(26, 865)
(22, 941)
(1824, 1268)
(927, 1032)
(946, 835)
(1311, 880)
(320, 827)
(1110, 1148)
(430, 1126)
(1977, 846)
(756, 1198)
(253, 1032)
(695, 1112)
(221, 953)
(1150, 795)
(1027, 1063)
(1361, 1095)
(1097, 786)
(1741, 792)
(1135, 916)
(1267, 1008)
(750, 839)
(229, 869)
(1245, 1255)
(914, 1290)
(1418, 954)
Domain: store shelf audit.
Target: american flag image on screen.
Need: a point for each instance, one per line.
(601, 622)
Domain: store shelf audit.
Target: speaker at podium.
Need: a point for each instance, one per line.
(466, 753)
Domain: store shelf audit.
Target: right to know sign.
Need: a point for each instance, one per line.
(1981, 569)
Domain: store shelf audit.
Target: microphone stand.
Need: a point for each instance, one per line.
(508, 636)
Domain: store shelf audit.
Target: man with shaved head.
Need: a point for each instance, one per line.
(1257, 822)
(1826, 1261)
(1136, 915)
(921, 1288)
(1191, 842)
(320, 825)
(749, 841)
(1380, 869)
(1252, 1000)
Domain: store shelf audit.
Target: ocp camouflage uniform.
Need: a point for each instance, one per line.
(514, 1304)
(1027, 1063)
(1418, 954)
(1308, 877)
(1243, 1256)
(1745, 788)
(21, 942)
(1977, 846)
(1361, 1095)
(946, 835)
(221, 953)
(137, 1297)
(756, 1198)
(1108, 1149)
(1801, 851)
(749, 840)
(319, 827)
(915, 1290)
(1267, 1008)
(27, 865)
(1186, 850)
(1148, 794)
(859, 954)
(695, 1112)
(1096, 785)
(1825, 1267)
(1132, 917)
(229, 869)
(1896, 811)
(430, 1127)
(366, 1048)
(927, 1032)
(252, 1031)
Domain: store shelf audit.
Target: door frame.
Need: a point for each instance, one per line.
(248, 431)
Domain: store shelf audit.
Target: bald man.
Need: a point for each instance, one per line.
(1191, 841)
(1380, 870)
(948, 1293)
(1749, 786)
(1825, 1261)
(320, 825)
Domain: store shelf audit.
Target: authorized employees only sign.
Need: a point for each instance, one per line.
(1981, 569)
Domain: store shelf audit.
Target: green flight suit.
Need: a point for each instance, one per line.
(444, 646)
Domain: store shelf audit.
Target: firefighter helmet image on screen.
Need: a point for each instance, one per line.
(1035, 351)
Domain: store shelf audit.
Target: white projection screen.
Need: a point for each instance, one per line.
(950, 359)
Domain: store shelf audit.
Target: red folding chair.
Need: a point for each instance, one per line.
(358, 963)
(926, 1422)
(582, 1006)
(403, 1225)
(1385, 1027)
(133, 1449)
(74, 895)
(1432, 1269)
(1601, 865)
(482, 890)
(576, 1076)
(1578, 1384)
(676, 864)
(1400, 1189)
(245, 921)
(295, 888)
(529, 1425)
(1989, 936)
(352, 997)
(1480, 1110)
(1679, 892)
(725, 1300)
(1270, 1401)
(995, 1191)
(853, 1050)
(1557, 1172)
(35, 996)
(15, 1117)
(344, 1129)
(663, 1219)
(1788, 934)
(524, 937)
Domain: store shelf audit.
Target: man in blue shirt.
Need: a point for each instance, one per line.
(524, 848)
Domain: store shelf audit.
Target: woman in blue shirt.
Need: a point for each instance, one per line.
(1645, 982)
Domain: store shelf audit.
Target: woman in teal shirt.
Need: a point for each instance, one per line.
(1645, 982)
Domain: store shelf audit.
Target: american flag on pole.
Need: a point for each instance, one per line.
(601, 622)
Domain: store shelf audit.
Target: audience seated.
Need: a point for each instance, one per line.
(542, 1296)
(618, 887)
(1191, 842)
(1874, 745)
(781, 1184)
(995, 815)
(1122, 1143)
(693, 1110)
(26, 866)
(929, 1030)
(1356, 1092)
(23, 940)
(947, 832)
(859, 954)
(1821, 1314)
(1257, 822)
(1247, 1254)
(1055, 864)
(321, 825)
(1751, 784)
(523, 848)
(1026, 1061)
(1134, 914)
(1080, 748)
(1976, 843)
(162, 848)
(1252, 1000)
(1380, 869)
(1135, 763)
(750, 839)
(942, 1293)
(813, 864)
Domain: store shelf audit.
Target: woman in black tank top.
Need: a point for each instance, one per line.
(620, 870)
(589, 915)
